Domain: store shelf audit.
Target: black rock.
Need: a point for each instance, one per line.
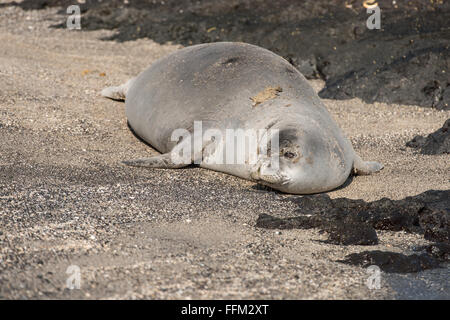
(353, 222)
(437, 142)
(308, 67)
(436, 224)
(342, 230)
(392, 262)
(427, 212)
(440, 251)
(351, 232)
(405, 62)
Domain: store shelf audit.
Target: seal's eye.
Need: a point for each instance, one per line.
(289, 155)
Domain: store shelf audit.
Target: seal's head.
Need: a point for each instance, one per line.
(302, 159)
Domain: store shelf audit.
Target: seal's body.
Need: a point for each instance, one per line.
(229, 85)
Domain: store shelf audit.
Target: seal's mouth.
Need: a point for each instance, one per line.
(265, 175)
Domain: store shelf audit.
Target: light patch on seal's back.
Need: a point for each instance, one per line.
(267, 94)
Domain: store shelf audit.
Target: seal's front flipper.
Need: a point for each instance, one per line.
(118, 93)
(164, 161)
(366, 167)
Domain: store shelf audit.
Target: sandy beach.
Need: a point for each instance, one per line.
(65, 198)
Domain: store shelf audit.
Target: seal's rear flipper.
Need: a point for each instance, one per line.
(161, 161)
(118, 93)
(365, 167)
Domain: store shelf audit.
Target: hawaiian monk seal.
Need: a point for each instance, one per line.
(229, 85)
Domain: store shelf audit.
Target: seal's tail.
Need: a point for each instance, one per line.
(118, 93)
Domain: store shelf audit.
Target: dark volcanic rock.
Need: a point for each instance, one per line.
(436, 224)
(424, 213)
(440, 251)
(353, 222)
(437, 142)
(351, 232)
(392, 262)
(406, 61)
(342, 230)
